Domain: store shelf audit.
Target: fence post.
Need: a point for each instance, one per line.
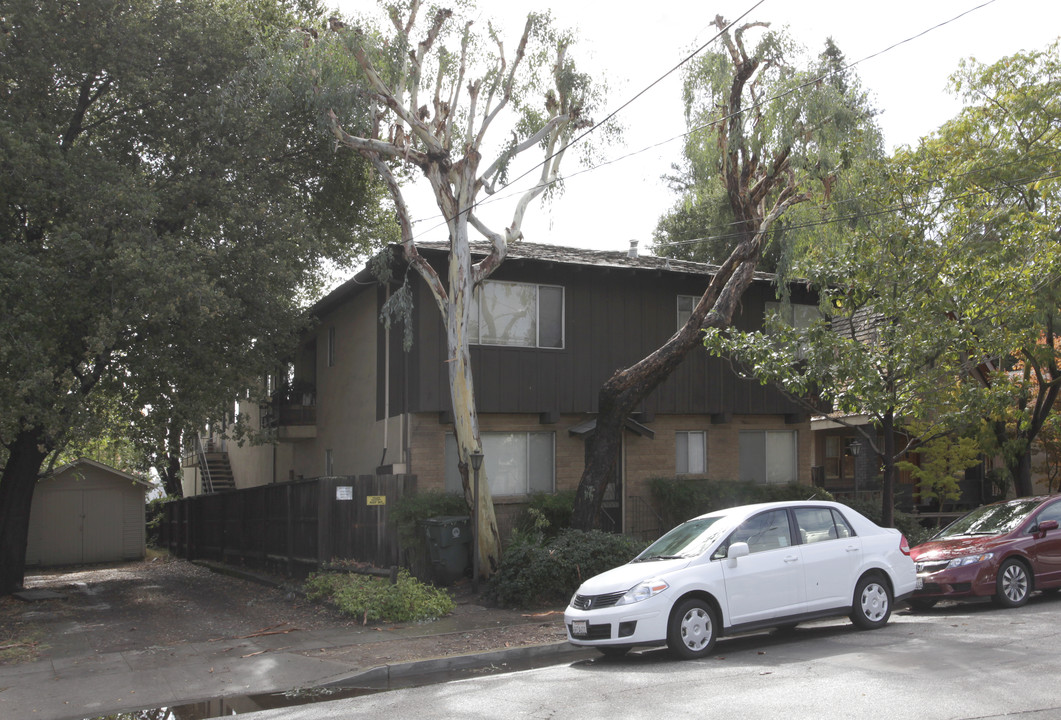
(290, 532)
(325, 519)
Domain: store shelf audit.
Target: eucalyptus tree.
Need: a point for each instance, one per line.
(439, 90)
(166, 204)
(768, 130)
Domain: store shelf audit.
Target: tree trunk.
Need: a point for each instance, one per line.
(26, 455)
(465, 414)
(1022, 474)
(887, 486)
(622, 393)
(171, 474)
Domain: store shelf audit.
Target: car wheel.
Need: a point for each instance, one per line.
(872, 604)
(1012, 586)
(613, 651)
(922, 604)
(693, 629)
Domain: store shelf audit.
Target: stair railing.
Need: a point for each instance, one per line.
(204, 466)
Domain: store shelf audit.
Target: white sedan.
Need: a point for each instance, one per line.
(741, 569)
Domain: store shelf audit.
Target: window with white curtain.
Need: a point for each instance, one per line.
(690, 456)
(517, 463)
(518, 314)
(768, 456)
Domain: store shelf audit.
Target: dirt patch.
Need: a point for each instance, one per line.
(135, 606)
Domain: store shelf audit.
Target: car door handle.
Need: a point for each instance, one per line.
(851, 548)
(791, 559)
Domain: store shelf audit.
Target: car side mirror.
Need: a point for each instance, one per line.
(1046, 525)
(737, 550)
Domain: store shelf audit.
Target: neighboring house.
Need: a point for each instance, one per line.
(553, 324)
(86, 512)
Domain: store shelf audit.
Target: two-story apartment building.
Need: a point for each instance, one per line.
(553, 324)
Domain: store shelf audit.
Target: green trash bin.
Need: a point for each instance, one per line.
(449, 540)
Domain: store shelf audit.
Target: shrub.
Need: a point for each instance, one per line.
(373, 599)
(682, 498)
(155, 514)
(539, 571)
(547, 514)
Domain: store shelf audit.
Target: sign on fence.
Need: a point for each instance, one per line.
(344, 492)
(376, 500)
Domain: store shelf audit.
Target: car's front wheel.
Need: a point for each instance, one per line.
(1013, 585)
(872, 604)
(693, 629)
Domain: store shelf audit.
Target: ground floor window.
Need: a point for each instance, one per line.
(516, 463)
(690, 456)
(768, 456)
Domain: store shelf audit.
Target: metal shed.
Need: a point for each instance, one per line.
(86, 512)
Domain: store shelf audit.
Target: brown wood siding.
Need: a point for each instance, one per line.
(613, 317)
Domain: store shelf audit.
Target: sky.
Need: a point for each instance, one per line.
(607, 207)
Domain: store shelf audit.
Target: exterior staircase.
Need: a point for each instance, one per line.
(216, 472)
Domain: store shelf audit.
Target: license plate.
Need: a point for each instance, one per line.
(580, 627)
(919, 584)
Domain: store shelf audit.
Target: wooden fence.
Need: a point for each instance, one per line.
(291, 527)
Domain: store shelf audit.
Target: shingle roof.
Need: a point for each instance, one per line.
(596, 258)
(540, 252)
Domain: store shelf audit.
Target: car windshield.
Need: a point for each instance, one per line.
(689, 539)
(989, 520)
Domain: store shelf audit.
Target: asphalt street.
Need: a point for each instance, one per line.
(957, 662)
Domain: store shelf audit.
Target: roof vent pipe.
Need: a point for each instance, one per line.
(632, 252)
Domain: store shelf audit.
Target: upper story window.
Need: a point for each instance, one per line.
(518, 314)
(686, 303)
(798, 316)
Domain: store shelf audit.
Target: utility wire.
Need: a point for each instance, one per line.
(713, 122)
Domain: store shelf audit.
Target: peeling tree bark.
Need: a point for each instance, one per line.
(449, 157)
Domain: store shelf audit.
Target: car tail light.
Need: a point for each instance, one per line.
(904, 546)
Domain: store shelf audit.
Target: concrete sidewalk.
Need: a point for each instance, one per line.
(239, 674)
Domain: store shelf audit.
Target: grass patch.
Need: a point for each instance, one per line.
(371, 599)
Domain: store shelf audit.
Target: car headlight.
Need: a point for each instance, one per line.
(643, 591)
(969, 560)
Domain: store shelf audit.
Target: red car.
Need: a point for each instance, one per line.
(1004, 551)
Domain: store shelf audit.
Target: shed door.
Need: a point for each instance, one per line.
(101, 537)
(81, 526)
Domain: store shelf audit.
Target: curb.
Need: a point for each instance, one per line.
(423, 672)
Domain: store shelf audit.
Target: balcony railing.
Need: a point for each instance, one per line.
(290, 407)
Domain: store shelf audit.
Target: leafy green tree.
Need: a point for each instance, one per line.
(768, 132)
(944, 461)
(1002, 192)
(438, 89)
(890, 345)
(701, 225)
(167, 204)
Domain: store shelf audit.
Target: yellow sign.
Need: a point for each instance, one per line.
(377, 500)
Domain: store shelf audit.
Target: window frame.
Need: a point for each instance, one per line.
(765, 479)
(451, 477)
(688, 444)
(693, 299)
(475, 336)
